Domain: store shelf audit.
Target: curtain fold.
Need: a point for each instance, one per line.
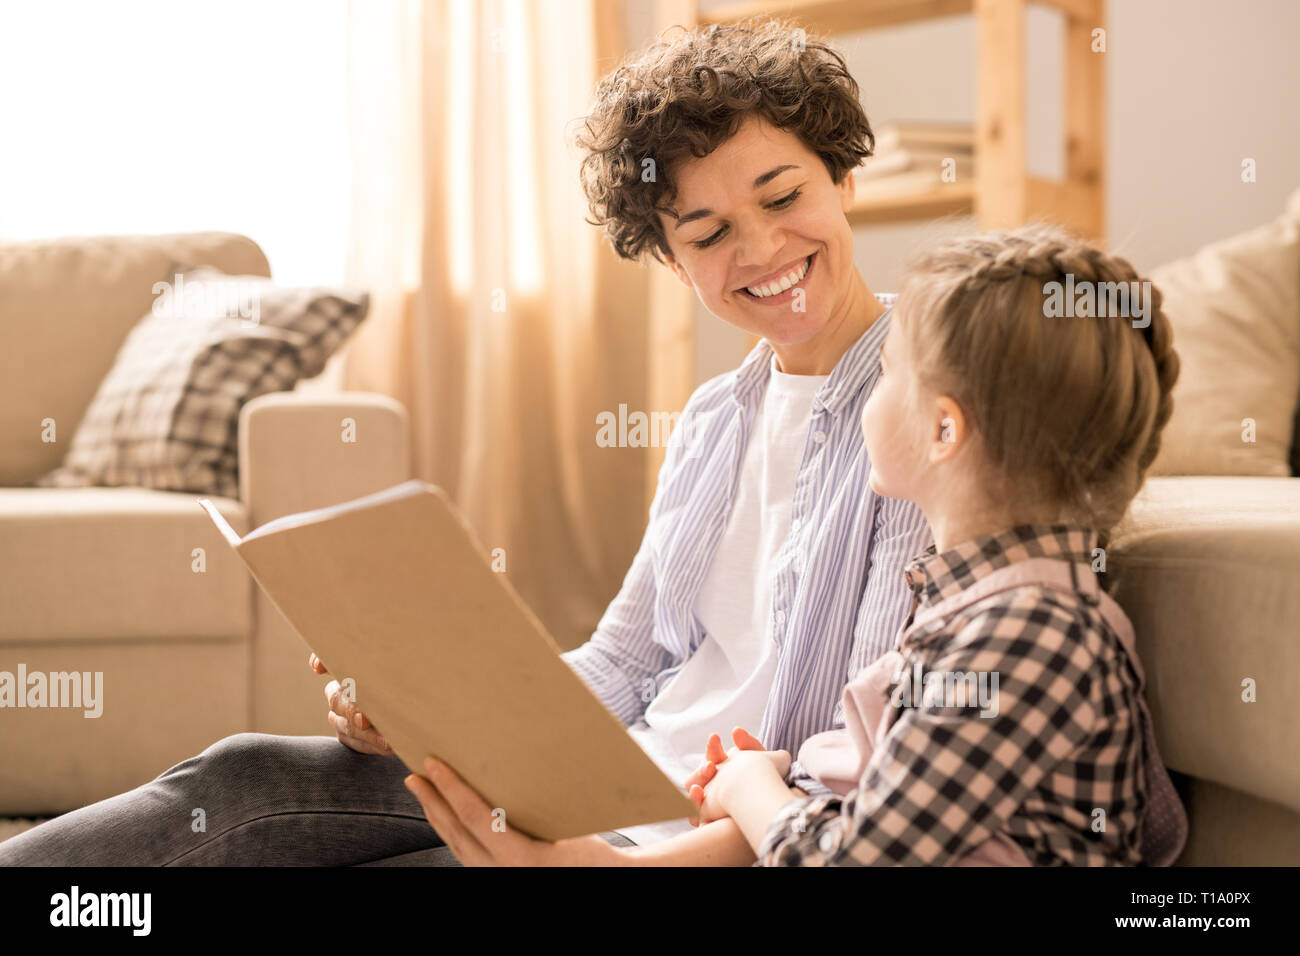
(500, 318)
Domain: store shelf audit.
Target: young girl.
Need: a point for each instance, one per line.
(1008, 727)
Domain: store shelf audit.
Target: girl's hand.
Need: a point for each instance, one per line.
(723, 775)
(474, 832)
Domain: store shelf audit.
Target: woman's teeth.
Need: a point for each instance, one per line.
(774, 288)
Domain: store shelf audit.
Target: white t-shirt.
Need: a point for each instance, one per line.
(727, 681)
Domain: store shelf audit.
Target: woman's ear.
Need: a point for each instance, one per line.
(678, 270)
(950, 430)
(848, 191)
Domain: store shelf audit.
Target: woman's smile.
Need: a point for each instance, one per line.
(786, 296)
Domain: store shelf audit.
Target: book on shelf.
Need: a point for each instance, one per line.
(901, 185)
(908, 160)
(945, 138)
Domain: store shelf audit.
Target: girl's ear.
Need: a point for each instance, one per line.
(950, 430)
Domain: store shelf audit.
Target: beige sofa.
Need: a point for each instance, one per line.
(102, 579)
(1208, 569)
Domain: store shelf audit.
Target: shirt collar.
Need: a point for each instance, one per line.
(935, 577)
(856, 367)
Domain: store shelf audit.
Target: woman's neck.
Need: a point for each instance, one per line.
(856, 313)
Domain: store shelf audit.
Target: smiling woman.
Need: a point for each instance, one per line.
(728, 155)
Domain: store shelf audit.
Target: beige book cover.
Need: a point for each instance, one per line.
(394, 592)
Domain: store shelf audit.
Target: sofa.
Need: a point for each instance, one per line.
(1208, 570)
(106, 579)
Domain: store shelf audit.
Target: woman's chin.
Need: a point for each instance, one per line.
(789, 332)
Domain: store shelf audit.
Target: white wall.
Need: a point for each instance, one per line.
(1194, 86)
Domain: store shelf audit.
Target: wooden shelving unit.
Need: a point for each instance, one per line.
(1002, 193)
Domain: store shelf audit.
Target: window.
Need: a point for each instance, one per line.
(149, 116)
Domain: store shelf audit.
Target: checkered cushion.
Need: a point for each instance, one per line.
(167, 414)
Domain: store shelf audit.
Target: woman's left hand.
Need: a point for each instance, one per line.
(481, 836)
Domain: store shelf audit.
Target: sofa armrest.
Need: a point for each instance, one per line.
(298, 452)
(1206, 568)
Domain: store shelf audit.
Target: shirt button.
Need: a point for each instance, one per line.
(819, 436)
(827, 842)
(795, 524)
(780, 617)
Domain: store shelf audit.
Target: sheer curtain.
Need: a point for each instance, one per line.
(500, 319)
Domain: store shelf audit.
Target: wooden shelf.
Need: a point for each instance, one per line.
(946, 199)
(839, 16)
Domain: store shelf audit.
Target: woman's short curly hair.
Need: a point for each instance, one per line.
(688, 95)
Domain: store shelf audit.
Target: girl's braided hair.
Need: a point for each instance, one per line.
(1069, 409)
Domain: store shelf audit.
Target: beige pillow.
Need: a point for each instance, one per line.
(1235, 310)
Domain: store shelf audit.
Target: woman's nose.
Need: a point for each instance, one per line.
(758, 247)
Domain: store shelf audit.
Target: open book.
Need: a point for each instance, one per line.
(394, 592)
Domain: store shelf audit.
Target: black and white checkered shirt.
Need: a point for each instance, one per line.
(1058, 769)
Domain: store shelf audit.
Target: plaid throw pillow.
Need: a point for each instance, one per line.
(167, 414)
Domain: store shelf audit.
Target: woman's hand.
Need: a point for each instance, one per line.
(350, 725)
(747, 760)
(480, 836)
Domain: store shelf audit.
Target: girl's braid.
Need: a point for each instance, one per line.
(1048, 254)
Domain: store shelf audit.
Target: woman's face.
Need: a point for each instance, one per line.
(748, 233)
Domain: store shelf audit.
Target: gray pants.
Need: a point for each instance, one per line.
(262, 800)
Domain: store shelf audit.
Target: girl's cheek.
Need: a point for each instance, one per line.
(876, 427)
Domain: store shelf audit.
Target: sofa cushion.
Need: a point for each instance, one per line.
(1206, 568)
(167, 414)
(66, 305)
(118, 563)
(1235, 311)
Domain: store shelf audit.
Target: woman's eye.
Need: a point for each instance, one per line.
(786, 200)
(781, 203)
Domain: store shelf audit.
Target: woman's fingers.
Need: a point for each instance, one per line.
(351, 726)
(713, 749)
(483, 824)
(446, 824)
(365, 742)
(697, 795)
(744, 740)
(701, 776)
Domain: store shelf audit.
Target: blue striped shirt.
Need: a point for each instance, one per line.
(836, 608)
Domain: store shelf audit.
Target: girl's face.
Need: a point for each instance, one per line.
(757, 206)
(898, 423)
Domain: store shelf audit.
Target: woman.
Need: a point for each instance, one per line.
(769, 571)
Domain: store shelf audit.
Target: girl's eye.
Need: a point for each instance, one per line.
(781, 203)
